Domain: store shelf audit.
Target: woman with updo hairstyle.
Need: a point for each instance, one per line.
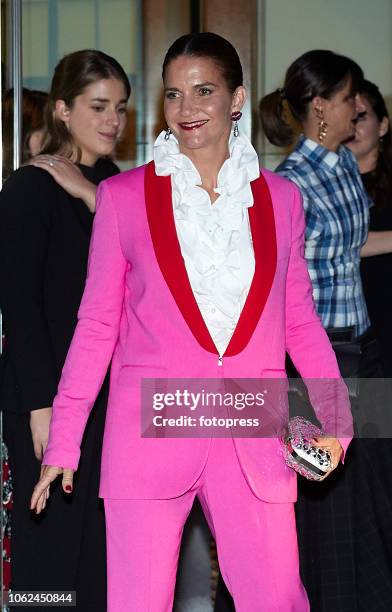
(196, 272)
(316, 75)
(46, 215)
(337, 519)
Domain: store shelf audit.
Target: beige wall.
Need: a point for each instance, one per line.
(78, 29)
(361, 29)
(35, 25)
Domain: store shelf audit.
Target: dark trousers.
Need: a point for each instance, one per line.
(64, 547)
(345, 523)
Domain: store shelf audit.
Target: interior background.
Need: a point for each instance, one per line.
(269, 35)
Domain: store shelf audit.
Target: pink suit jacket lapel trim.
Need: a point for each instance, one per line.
(168, 253)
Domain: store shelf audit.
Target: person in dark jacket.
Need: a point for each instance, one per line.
(46, 215)
(372, 146)
(33, 105)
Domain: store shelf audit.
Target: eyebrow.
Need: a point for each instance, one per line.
(107, 100)
(207, 83)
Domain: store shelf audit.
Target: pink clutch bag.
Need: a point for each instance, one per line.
(300, 454)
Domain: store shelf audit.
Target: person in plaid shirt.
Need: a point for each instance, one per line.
(337, 216)
(334, 519)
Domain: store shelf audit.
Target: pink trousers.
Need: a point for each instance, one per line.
(256, 542)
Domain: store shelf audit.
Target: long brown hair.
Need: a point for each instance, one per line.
(378, 183)
(72, 75)
(33, 105)
(315, 73)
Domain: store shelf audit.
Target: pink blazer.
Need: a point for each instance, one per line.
(138, 309)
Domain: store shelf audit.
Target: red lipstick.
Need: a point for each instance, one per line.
(192, 125)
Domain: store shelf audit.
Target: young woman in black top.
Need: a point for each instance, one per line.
(372, 146)
(46, 215)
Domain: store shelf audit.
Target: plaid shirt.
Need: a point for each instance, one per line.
(337, 217)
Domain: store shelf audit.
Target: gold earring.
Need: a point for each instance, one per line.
(322, 126)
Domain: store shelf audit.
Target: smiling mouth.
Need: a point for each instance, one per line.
(108, 136)
(192, 125)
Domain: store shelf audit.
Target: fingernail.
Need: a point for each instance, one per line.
(68, 488)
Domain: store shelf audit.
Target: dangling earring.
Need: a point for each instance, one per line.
(322, 126)
(236, 116)
(167, 133)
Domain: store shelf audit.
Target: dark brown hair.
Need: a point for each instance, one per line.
(33, 105)
(212, 46)
(72, 75)
(379, 182)
(316, 73)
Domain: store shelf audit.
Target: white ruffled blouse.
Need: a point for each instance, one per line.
(215, 239)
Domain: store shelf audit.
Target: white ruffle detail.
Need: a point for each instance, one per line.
(214, 238)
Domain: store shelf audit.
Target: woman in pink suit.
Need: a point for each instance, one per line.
(196, 271)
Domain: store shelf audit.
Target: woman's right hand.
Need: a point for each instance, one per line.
(67, 174)
(49, 473)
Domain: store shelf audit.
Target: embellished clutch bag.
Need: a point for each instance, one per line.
(300, 454)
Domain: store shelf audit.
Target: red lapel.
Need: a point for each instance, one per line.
(262, 223)
(168, 253)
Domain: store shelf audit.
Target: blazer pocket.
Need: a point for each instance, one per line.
(273, 373)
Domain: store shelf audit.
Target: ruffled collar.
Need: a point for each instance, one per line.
(215, 241)
(234, 177)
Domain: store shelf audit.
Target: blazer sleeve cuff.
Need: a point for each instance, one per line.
(63, 459)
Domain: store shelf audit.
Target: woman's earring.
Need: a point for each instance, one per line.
(236, 116)
(167, 133)
(322, 126)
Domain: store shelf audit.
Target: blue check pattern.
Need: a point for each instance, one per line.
(337, 218)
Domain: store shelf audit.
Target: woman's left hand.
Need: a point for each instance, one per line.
(68, 176)
(335, 448)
